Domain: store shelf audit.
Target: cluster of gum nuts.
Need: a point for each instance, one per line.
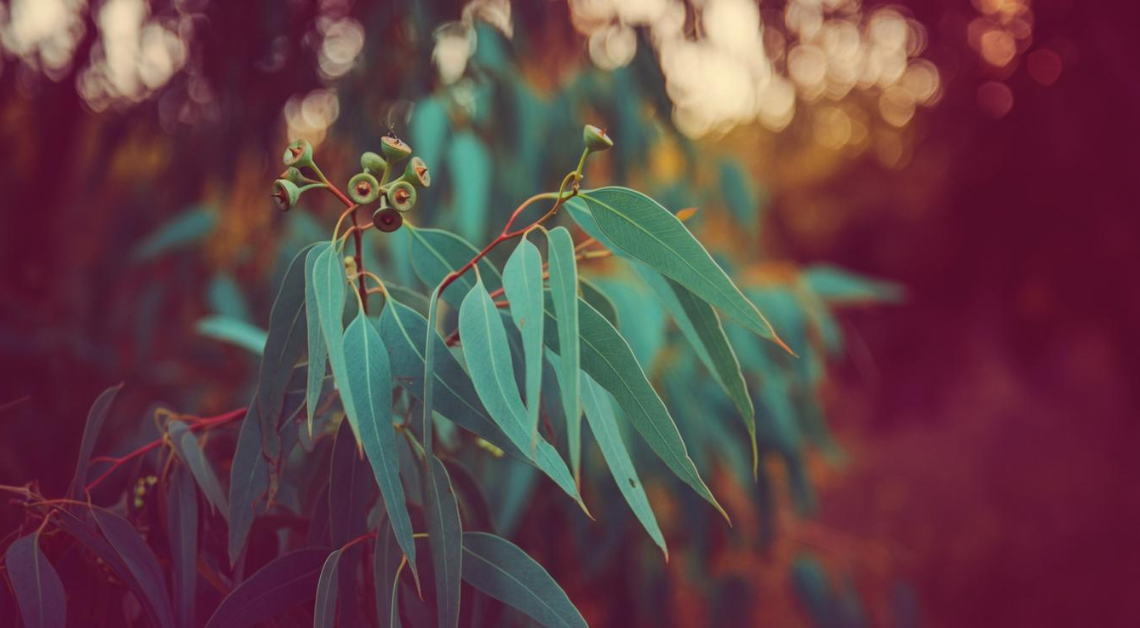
(371, 185)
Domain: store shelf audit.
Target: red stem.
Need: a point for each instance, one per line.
(194, 425)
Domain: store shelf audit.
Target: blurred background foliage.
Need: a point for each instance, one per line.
(971, 468)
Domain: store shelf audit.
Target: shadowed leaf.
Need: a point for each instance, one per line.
(38, 589)
(286, 581)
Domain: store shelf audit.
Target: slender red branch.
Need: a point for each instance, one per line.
(194, 424)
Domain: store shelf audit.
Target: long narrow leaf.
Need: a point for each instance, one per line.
(564, 294)
(522, 284)
(387, 560)
(318, 352)
(351, 489)
(139, 560)
(95, 419)
(39, 591)
(186, 444)
(249, 481)
(445, 535)
(286, 581)
(435, 253)
(182, 532)
(324, 615)
(500, 569)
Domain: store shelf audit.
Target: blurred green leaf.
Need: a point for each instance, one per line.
(183, 231)
(428, 130)
(233, 331)
(38, 589)
(226, 298)
(500, 569)
(838, 286)
(469, 164)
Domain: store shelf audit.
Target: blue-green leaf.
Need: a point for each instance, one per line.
(186, 444)
(286, 581)
(428, 130)
(324, 614)
(839, 286)
(435, 253)
(500, 569)
(139, 560)
(370, 406)
(600, 416)
(453, 396)
(607, 358)
(522, 285)
(469, 164)
(351, 489)
(598, 300)
(233, 331)
(95, 419)
(564, 294)
(645, 230)
(226, 298)
(249, 481)
(700, 325)
(445, 535)
(318, 352)
(38, 589)
(386, 564)
(329, 284)
(182, 231)
(182, 532)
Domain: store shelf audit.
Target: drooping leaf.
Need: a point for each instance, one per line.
(839, 286)
(522, 285)
(324, 615)
(286, 581)
(182, 532)
(249, 481)
(95, 419)
(351, 489)
(500, 569)
(476, 510)
(329, 285)
(598, 300)
(469, 164)
(39, 591)
(643, 321)
(607, 358)
(428, 130)
(318, 351)
(183, 230)
(387, 560)
(564, 295)
(645, 230)
(186, 444)
(435, 253)
(739, 195)
(370, 378)
(226, 298)
(600, 416)
(139, 560)
(283, 347)
(701, 326)
(489, 358)
(453, 395)
(445, 535)
(233, 331)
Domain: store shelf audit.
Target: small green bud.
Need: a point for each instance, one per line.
(299, 154)
(402, 195)
(596, 139)
(417, 173)
(363, 188)
(294, 176)
(387, 219)
(285, 194)
(394, 148)
(372, 163)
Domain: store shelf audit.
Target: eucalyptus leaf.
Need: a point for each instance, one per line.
(182, 533)
(436, 252)
(324, 614)
(564, 295)
(249, 481)
(599, 300)
(522, 285)
(318, 352)
(445, 536)
(39, 591)
(351, 489)
(387, 559)
(469, 163)
(139, 561)
(182, 231)
(329, 285)
(186, 444)
(96, 416)
(284, 582)
(603, 424)
(370, 379)
(233, 331)
(500, 569)
(645, 230)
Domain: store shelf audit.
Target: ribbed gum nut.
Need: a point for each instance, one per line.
(596, 139)
(294, 176)
(285, 194)
(417, 173)
(299, 154)
(394, 148)
(363, 188)
(402, 196)
(373, 163)
(387, 219)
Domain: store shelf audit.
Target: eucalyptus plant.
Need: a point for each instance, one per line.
(351, 460)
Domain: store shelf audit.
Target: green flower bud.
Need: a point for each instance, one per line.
(417, 173)
(372, 163)
(394, 148)
(285, 194)
(596, 139)
(299, 154)
(294, 176)
(402, 195)
(363, 188)
(387, 219)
